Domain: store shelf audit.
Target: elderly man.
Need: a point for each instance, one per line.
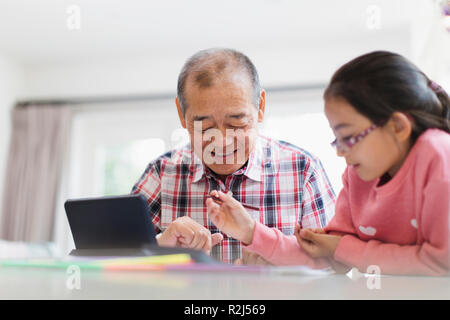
(220, 103)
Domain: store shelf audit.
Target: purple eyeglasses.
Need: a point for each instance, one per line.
(350, 142)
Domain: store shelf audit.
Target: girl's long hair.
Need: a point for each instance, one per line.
(380, 83)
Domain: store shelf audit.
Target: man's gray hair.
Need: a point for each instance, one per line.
(209, 64)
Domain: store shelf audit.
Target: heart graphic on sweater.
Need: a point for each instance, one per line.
(370, 231)
(414, 223)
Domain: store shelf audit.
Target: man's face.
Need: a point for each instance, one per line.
(222, 123)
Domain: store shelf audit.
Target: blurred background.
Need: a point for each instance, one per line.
(87, 87)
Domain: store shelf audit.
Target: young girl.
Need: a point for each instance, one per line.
(392, 125)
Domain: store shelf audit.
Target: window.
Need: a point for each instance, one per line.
(122, 164)
(111, 146)
(298, 118)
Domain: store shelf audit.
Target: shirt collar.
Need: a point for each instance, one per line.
(255, 162)
(197, 167)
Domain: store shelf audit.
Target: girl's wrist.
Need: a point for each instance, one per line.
(335, 245)
(248, 236)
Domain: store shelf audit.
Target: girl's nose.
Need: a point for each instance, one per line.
(339, 152)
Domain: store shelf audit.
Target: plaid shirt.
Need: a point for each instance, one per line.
(285, 182)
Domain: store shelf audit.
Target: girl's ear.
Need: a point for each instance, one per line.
(401, 126)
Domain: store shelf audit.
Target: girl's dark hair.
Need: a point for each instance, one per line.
(380, 83)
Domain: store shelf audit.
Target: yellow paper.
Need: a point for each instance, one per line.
(150, 260)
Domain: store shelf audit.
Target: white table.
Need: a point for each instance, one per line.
(23, 283)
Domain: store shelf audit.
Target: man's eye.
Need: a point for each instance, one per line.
(237, 127)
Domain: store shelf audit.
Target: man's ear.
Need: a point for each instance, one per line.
(180, 113)
(401, 126)
(262, 106)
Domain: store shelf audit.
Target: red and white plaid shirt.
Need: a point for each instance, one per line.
(285, 182)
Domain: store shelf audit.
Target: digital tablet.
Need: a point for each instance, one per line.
(110, 222)
(118, 226)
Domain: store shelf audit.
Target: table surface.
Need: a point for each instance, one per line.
(24, 283)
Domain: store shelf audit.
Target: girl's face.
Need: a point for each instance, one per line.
(377, 153)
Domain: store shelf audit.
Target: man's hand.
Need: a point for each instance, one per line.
(231, 217)
(251, 258)
(185, 232)
(316, 242)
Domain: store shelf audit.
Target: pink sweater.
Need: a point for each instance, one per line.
(401, 226)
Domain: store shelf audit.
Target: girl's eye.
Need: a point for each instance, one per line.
(347, 138)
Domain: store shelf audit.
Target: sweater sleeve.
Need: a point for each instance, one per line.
(430, 257)
(280, 249)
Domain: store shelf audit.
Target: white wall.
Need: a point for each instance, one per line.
(157, 71)
(10, 88)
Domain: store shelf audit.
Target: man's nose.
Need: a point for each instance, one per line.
(222, 140)
(227, 139)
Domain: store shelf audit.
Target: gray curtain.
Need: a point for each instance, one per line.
(38, 142)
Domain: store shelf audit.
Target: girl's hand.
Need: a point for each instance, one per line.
(316, 242)
(231, 217)
(298, 228)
